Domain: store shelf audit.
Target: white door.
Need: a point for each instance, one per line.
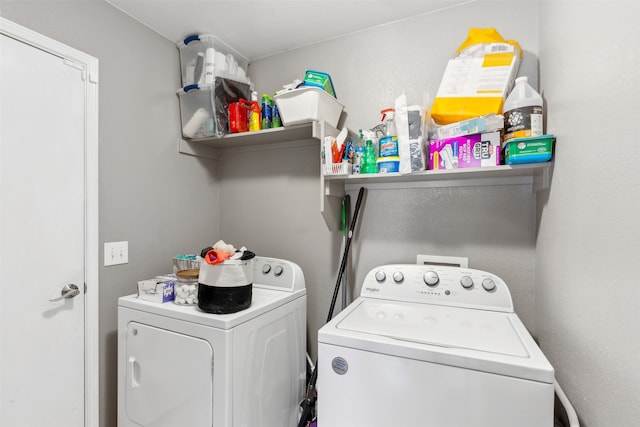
(43, 133)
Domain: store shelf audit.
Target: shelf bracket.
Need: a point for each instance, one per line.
(331, 203)
(198, 150)
(331, 192)
(541, 180)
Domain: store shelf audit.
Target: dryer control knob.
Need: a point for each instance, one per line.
(488, 284)
(398, 277)
(431, 278)
(380, 276)
(266, 268)
(466, 282)
(278, 270)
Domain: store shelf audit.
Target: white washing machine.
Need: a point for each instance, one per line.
(433, 347)
(179, 366)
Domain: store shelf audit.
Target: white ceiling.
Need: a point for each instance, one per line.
(259, 28)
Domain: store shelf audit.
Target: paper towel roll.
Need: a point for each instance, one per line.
(195, 123)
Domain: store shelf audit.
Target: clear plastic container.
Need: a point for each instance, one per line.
(204, 110)
(186, 287)
(197, 48)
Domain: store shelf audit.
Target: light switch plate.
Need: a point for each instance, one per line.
(116, 253)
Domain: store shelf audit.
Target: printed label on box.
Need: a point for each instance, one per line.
(154, 290)
(470, 151)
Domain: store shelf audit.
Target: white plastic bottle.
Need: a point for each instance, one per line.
(522, 112)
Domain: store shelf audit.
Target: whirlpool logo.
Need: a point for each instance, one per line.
(340, 365)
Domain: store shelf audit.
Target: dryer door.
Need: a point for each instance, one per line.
(169, 378)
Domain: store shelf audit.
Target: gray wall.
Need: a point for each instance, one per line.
(588, 246)
(162, 202)
(493, 226)
(567, 254)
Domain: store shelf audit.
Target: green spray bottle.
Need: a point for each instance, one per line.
(369, 164)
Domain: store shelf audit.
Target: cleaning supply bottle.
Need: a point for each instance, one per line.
(388, 144)
(276, 122)
(369, 159)
(254, 116)
(267, 113)
(357, 160)
(358, 153)
(371, 135)
(522, 112)
(388, 118)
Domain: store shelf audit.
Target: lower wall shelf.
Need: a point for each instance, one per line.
(333, 187)
(536, 174)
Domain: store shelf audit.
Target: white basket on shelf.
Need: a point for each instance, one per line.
(336, 169)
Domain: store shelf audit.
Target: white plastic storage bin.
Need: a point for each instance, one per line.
(202, 56)
(204, 110)
(307, 104)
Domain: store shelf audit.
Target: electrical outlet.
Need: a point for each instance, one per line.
(116, 253)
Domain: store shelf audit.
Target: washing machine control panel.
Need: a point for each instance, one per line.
(445, 285)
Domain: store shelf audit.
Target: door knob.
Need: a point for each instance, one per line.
(69, 291)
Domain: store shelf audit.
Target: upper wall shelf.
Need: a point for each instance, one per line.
(209, 147)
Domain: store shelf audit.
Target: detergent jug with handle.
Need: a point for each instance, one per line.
(522, 112)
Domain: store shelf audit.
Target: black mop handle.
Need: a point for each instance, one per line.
(345, 255)
(310, 399)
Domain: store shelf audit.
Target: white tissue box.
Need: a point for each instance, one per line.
(156, 290)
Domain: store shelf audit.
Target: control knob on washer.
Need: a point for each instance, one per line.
(488, 284)
(380, 276)
(277, 271)
(466, 282)
(431, 278)
(398, 277)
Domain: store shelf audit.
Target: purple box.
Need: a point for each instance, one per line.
(469, 151)
(156, 290)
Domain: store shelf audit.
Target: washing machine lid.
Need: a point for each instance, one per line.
(479, 330)
(489, 341)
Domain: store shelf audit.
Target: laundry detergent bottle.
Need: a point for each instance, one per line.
(522, 112)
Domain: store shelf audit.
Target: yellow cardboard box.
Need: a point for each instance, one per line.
(477, 81)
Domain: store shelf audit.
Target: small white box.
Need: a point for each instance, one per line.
(156, 290)
(308, 104)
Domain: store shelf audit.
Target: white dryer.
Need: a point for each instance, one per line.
(432, 347)
(179, 366)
